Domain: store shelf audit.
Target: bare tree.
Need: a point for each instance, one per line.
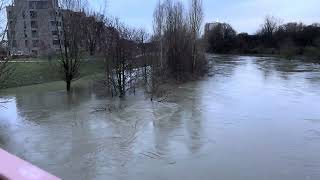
(196, 19)
(268, 29)
(179, 31)
(5, 68)
(3, 4)
(142, 37)
(172, 52)
(270, 25)
(120, 57)
(3, 24)
(70, 40)
(155, 74)
(177, 39)
(158, 28)
(93, 30)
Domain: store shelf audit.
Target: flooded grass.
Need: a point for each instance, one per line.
(38, 72)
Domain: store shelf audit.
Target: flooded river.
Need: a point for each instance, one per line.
(254, 118)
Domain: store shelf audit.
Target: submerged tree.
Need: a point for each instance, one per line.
(155, 75)
(120, 52)
(177, 32)
(70, 39)
(195, 20)
(174, 50)
(157, 70)
(142, 37)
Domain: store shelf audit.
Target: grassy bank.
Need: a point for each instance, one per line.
(38, 72)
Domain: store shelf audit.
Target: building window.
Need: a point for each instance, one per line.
(35, 43)
(23, 14)
(26, 43)
(56, 42)
(33, 14)
(38, 4)
(55, 33)
(14, 43)
(25, 25)
(58, 14)
(32, 4)
(34, 24)
(34, 52)
(56, 23)
(53, 23)
(13, 34)
(11, 25)
(10, 15)
(25, 33)
(34, 33)
(42, 5)
(54, 14)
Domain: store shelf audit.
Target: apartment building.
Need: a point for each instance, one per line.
(34, 27)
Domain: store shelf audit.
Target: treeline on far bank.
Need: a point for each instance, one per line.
(288, 40)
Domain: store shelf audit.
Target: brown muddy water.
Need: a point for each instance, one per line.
(254, 118)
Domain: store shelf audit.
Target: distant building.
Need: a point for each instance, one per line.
(33, 26)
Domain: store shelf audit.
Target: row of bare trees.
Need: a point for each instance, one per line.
(131, 55)
(174, 51)
(120, 53)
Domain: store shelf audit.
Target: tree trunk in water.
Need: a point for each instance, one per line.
(145, 74)
(122, 94)
(91, 51)
(68, 85)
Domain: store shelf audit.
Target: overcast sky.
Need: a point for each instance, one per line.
(243, 15)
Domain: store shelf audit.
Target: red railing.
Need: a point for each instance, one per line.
(14, 168)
